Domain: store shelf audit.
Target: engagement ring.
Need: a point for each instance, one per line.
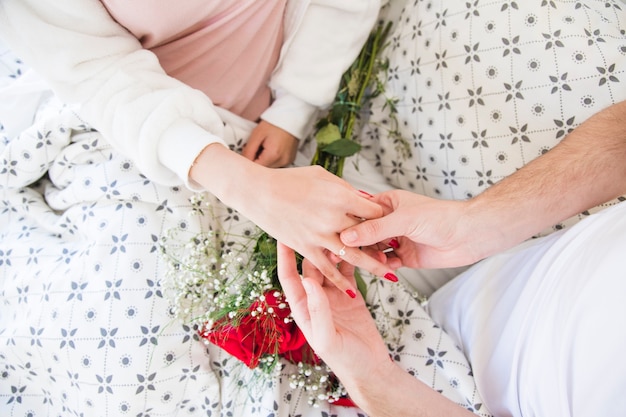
(342, 251)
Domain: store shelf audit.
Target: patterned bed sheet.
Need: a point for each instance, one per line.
(85, 328)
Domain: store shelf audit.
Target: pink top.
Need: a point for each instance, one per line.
(225, 48)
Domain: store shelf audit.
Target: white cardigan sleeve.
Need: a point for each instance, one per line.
(158, 121)
(323, 37)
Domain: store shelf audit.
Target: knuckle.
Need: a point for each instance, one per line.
(371, 227)
(327, 270)
(352, 257)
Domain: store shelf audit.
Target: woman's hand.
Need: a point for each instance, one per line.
(340, 330)
(305, 207)
(271, 146)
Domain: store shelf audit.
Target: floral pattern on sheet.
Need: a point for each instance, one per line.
(483, 87)
(85, 328)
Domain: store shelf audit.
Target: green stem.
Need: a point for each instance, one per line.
(373, 52)
(346, 106)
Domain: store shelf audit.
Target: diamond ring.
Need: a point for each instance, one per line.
(342, 251)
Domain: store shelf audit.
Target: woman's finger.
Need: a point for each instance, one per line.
(329, 270)
(311, 272)
(359, 258)
(252, 149)
(292, 284)
(323, 330)
(363, 208)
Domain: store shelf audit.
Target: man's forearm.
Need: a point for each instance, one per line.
(586, 169)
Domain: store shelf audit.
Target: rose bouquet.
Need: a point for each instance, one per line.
(226, 286)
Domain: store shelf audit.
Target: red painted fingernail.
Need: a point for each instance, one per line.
(365, 193)
(394, 243)
(391, 277)
(351, 293)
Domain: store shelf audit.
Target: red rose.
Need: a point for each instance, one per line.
(304, 354)
(344, 402)
(265, 329)
(262, 330)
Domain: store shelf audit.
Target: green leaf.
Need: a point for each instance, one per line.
(360, 283)
(265, 249)
(341, 111)
(342, 148)
(328, 134)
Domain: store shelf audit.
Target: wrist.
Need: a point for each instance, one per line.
(494, 223)
(228, 175)
(291, 114)
(393, 392)
(365, 387)
(180, 159)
